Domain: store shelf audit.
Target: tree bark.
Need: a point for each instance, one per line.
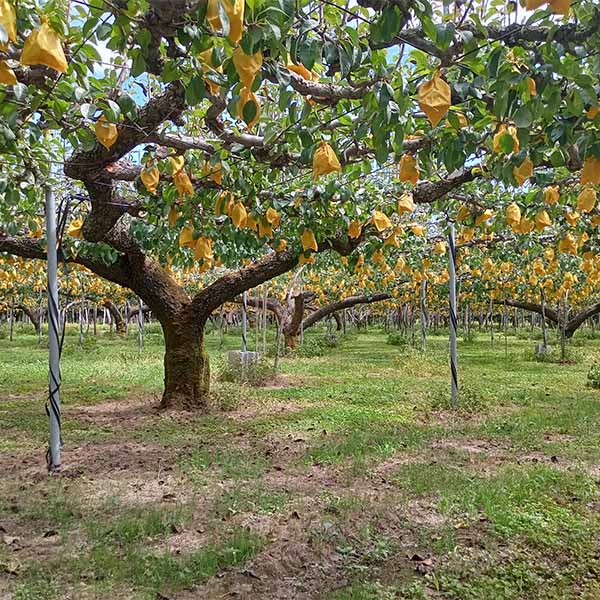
(292, 324)
(316, 316)
(116, 317)
(34, 314)
(187, 367)
(133, 313)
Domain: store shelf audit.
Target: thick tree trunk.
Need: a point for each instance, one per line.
(187, 369)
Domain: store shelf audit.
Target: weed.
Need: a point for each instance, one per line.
(593, 376)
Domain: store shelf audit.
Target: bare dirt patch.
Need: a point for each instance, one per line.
(256, 409)
(127, 412)
(89, 459)
(281, 381)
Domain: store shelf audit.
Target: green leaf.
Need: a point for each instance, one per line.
(494, 61)
(143, 38)
(127, 104)
(195, 90)
(307, 53)
(506, 143)
(345, 62)
(88, 110)
(444, 35)
(138, 65)
(523, 117)
(114, 111)
(387, 26)
(249, 111)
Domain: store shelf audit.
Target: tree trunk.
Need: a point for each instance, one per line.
(33, 314)
(116, 317)
(187, 369)
(291, 340)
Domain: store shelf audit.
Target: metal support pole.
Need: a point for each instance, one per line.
(505, 317)
(140, 326)
(264, 320)
(424, 315)
(452, 313)
(491, 321)
(544, 333)
(244, 322)
(11, 319)
(81, 313)
(40, 316)
(53, 457)
(278, 343)
(221, 327)
(257, 323)
(563, 328)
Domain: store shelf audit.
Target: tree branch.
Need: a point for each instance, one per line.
(349, 302)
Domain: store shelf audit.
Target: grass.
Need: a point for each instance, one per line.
(323, 487)
(137, 524)
(145, 572)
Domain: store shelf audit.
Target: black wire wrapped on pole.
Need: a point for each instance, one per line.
(55, 227)
(244, 321)
(452, 313)
(424, 320)
(53, 405)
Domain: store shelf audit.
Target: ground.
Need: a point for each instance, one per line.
(346, 477)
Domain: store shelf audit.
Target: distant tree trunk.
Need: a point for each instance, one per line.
(572, 324)
(116, 317)
(34, 315)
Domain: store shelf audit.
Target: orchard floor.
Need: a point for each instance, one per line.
(348, 477)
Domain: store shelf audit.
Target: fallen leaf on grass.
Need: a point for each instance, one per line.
(422, 564)
(250, 573)
(12, 567)
(9, 540)
(50, 533)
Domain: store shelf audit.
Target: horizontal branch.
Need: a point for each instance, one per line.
(32, 248)
(349, 302)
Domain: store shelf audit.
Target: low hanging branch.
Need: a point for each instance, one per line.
(334, 307)
(571, 326)
(293, 312)
(133, 313)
